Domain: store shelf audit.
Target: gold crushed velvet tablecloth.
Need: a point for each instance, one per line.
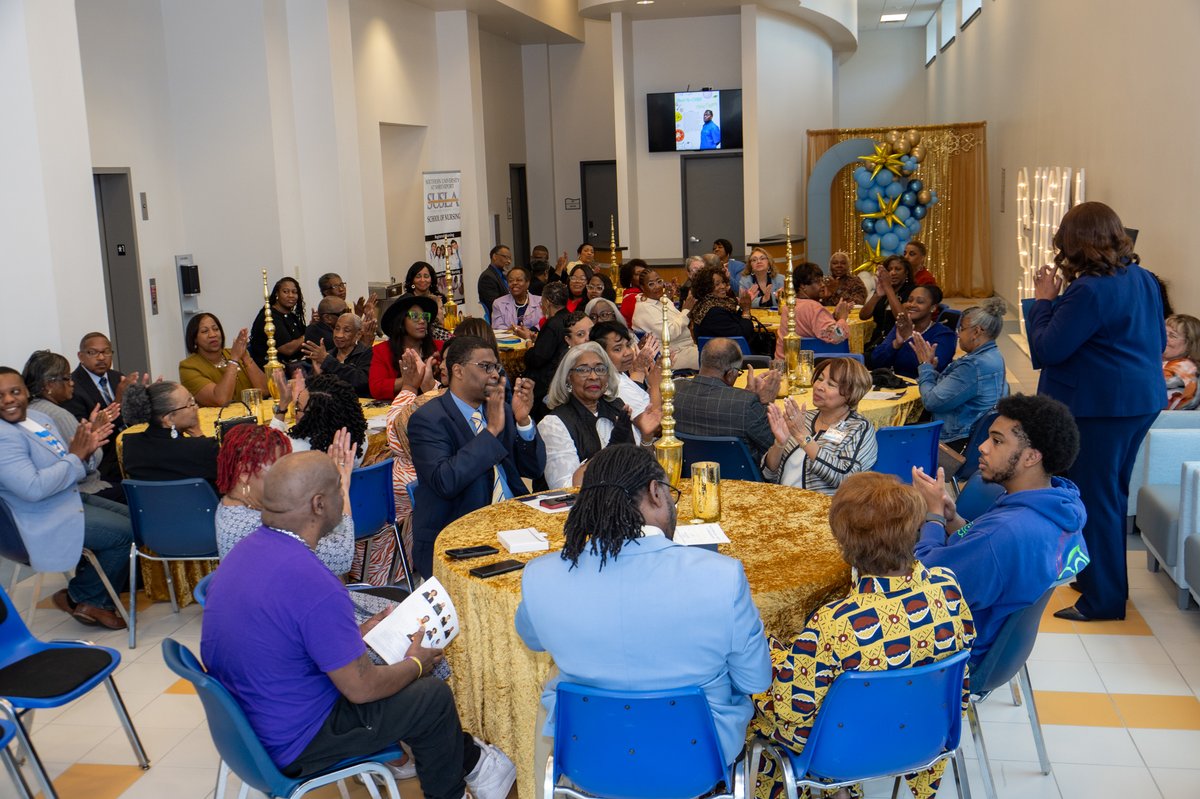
(186, 573)
(881, 413)
(781, 535)
(858, 330)
(512, 358)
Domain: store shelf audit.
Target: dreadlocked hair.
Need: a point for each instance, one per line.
(606, 513)
(332, 405)
(248, 449)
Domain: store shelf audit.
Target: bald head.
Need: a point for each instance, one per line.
(302, 493)
(334, 306)
(720, 356)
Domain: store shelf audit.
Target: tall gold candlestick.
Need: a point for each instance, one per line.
(614, 272)
(450, 307)
(668, 450)
(791, 337)
(272, 363)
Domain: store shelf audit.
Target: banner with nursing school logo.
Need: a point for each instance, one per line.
(443, 229)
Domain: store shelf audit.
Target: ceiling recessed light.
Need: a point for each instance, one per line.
(893, 17)
(645, 2)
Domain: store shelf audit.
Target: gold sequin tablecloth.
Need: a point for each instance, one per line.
(780, 534)
(906, 409)
(187, 573)
(859, 330)
(512, 358)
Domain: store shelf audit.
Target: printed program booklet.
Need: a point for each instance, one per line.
(430, 606)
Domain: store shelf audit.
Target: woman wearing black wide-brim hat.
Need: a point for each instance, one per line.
(408, 325)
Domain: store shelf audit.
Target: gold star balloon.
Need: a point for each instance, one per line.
(886, 212)
(874, 258)
(883, 158)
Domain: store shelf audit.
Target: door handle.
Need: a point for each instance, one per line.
(693, 240)
(592, 234)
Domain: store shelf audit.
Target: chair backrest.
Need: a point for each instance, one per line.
(979, 431)
(729, 451)
(636, 745)
(818, 346)
(950, 318)
(976, 497)
(372, 500)
(15, 638)
(12, 546)
(175, 518)
(743, 345)
(824, 356)
(232, 734)
(411, 488)
(1011, 648)
(882, 723)
(200, 589)
(901, 448)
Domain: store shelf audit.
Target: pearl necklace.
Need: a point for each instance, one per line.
(289, 534)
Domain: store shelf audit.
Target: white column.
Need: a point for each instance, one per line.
(48, 223)
(624, 136)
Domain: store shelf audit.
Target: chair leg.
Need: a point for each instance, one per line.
(985, 767)
(404, 564)
(1182, 598)
(960, 774)
(126, 722)
(14, 773)
(35, 762)
(1014, 688)
(1151, 562)
(548, 779)
(1031, 709)
(896, 787)
(366, 561)
(244, 792)
(131, 618)
(170, 586)
(345, 794)
(108, 586)
(37, 592)
(222, 780)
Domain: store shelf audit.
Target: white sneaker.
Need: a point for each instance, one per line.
(494, 774)
(403, 772)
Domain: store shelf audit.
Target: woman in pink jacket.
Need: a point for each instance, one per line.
(809, 316)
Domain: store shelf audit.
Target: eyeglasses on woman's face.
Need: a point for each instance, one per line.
(420, 316)
(191, 403)
(597, 369)
(602, 316)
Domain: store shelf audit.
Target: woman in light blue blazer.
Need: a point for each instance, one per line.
(39, 473)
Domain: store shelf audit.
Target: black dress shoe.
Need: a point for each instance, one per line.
(1071, 614)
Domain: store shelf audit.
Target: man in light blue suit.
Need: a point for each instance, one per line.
(623, 607)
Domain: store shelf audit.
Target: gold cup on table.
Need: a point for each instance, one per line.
(252, 398)
(706, 491)
(804, 367)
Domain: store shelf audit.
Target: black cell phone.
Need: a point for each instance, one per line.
(554, 503)
(500, 567)
(463, 553)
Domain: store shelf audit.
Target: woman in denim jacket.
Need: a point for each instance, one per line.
(969, 386)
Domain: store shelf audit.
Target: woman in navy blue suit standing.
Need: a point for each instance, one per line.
(1099, 345)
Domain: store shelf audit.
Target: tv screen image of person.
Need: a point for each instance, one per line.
(691, 121)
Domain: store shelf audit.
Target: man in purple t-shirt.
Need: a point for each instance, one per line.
(279, 633)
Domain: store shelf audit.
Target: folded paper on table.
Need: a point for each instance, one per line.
(429, 606)
(527, 539)
(883, 395)
(700, 534)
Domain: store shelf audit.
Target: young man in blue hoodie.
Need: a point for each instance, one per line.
(1031, 538)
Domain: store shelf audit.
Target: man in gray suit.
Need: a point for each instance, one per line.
(709, 404)
(97, 383)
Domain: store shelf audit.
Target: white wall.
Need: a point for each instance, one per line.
(504, 128)
(1112, 99)
(668, 56)
(539, 148)
(883, 83)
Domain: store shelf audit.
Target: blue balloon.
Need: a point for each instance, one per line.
(864, 206)
(868, 226)
(873, 240)
(913, 224)
(884, 177)
(933, 198)
(915, 186)
(862, 176)
(903, 212)
(919, 212)
(902, 232)
(859, 170)
(908, 198)
(891, 241)
(881, 226)
(893, 190)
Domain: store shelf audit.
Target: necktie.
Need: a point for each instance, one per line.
(105, 394)
(499, 490)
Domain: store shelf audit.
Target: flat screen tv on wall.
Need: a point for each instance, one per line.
(685, 121)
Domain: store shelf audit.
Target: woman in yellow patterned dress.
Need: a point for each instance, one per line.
(898, 614)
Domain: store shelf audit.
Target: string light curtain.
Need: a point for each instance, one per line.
(956, 231)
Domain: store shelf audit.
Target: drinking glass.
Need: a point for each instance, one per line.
(706, 491)
(252, 399)
(805, 368)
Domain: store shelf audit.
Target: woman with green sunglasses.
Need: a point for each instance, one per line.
(408, 323)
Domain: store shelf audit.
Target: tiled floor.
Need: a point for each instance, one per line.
(1120, 703)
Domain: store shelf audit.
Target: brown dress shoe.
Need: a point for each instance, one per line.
(63, 602)
(90, 614)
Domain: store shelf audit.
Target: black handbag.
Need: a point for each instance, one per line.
(225, 425)
(886, 378)
(762, 340)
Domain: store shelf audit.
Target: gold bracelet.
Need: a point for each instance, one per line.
(420, 668)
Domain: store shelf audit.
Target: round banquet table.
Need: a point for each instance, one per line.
(858, 330)
(781, 535)
(512, 358)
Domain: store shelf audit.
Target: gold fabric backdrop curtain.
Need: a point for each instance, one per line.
(956, 231)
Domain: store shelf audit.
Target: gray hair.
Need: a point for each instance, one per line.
(332, 305)
(988, 317)
(555, 293)
(721, 355)
(594, 305)
(355, 318)
(693, 259)
(560, 387)
(711, 259)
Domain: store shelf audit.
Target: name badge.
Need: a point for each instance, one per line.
(834, 435)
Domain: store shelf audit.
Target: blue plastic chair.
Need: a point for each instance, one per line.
(12, 547)
(824, 356)
(243, 753)
(902, 448)
(200, 589)
(8, 731)
(1004, 663)
(729, 451)
(176, 519)
(976, 497)
(411, 489)
(373, 507)
(819, 347)
(637, 745)
(979, 432)
(876, 724)
(36, 674)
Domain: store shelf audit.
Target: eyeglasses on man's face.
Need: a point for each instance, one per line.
(420, 316)
(489, 367)
(675, 492)
(97, 353)
(599, 369)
